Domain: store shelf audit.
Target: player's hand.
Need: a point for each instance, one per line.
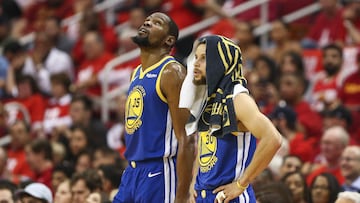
(227, 192)
(193, 196)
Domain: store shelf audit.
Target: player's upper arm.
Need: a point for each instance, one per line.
(171, 82)
(249, 115)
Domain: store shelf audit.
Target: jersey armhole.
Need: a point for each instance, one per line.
(158, 82)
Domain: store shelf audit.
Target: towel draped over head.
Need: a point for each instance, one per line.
(214, 112)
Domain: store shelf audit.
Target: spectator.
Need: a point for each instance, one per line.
(83, 161)
(297, 184)
(78, 141)
(291, 163)
(328, 81)
(264, 93)
(37, 13)
(351, 19)
(17, 165)
(35, 193)
(54, 30)
(137, 17)
(14, 55)
(93, 22)
(45, 60)
(83, 184)
(350, 94)
(116, 134)
(7, 191)
(81, 108)
(348, 197)
(246, 40)
(273, 192)
(104, 156)
(324, 189)
(95, 59)
(325, 29)
(32, 101)
(39, 156)
(264, 178)
(340, 116)
(60, 174)
(57, 109)
(63, 193)
(111, 178)
(285, 120)
(333, 142)
(282, 43)
(3, 159)
(266, 68)
(291, 62)
(292, 88)
(350, 168)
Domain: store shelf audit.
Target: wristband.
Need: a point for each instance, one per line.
(240, 186)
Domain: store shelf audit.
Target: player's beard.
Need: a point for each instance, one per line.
(141, 41)
(202, 81)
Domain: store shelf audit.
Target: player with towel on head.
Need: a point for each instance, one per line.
(228, 123)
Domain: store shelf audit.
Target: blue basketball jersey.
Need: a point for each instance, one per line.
(223, 160)
(149, 132)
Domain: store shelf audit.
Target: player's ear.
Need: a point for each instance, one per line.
(170, 41)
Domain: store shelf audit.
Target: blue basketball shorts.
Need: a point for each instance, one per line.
(147, 182)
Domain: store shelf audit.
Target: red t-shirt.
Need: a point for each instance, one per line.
(311, 120)
(44, 177)
(303, 148)
(93, 67)
(18, 166)
(57, 113)
(180, 13)
(34, 104)
(327, 29)
(350, 90)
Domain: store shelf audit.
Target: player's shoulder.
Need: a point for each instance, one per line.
(174, 70)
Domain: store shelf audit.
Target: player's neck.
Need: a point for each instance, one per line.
(150, 57)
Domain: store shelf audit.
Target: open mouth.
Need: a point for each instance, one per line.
(142, 30)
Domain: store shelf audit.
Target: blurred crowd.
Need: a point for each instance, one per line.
(306, 80)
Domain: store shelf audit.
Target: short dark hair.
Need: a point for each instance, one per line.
(173, 28)
(56, 19)
(335, 47)
(61, 78)
(8, 185)
(28, 79)
(87, 102)
(112, 173)
(90, 177)
(42, 146)
(13, 47)
(64, 168)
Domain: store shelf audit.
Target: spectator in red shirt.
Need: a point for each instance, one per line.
(327, 26)
(37, 13)
(351, 17)
(31, 100)
(292, 86)
(350, 95)
(95, 59)
(333, 142)
(284, 118)
(93, 22)
(328, 81)
(17, 166)
(39, 156)
(57, 109)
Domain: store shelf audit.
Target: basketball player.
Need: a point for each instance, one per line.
(229, 126)
(156, 142)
